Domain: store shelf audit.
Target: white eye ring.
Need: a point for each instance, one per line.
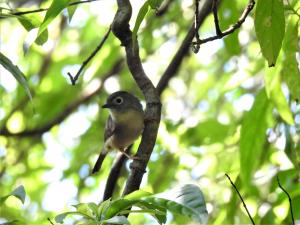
(118, 100)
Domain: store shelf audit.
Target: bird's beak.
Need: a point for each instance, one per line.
(106, 106)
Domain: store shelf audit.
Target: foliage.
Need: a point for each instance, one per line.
(187, 200)
(19, 193)
(224, 111)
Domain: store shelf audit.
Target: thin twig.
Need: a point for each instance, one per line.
(290, 200)
(196, 47)
(50, 221)
(233, 27)
(163, 8)
(216, 19)
(85, 62)
(67, 111)
(237, 191)
(45, 9)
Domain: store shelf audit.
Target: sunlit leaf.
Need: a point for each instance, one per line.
(273, 87)
(270, 27)
(61, 217)
(290, 70)
(16, 72)
(140, 17)
(253, 136)
(154, 4)
(137, 195)
(187, 200)
(117, 220)
(157, 211)
(85, 208)
(71, 10)
(55, 8)
(118, 206)
(32, 21)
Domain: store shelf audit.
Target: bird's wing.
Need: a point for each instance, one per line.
(109, 128)
(108, 132)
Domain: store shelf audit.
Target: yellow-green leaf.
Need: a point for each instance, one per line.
(16, 72)
(290, 70)
(273, 87)
(55, 8)
(270, 27)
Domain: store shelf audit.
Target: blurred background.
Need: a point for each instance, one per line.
(49, 144)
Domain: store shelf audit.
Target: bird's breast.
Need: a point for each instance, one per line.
(128, 128)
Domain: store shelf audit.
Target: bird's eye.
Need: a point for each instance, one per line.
(118, 100)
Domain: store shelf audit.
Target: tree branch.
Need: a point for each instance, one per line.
(45, 9)
(68, 110)
(85, 62)
(231, 29)
(216, 19)
(114, 174)
(244, 204)
(290, 200)
(120, 28)
(183, 49)
(163, 8)
(193, 32)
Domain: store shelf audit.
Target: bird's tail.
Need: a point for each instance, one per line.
(99, 162)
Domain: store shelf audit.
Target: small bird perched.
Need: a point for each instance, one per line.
(123, 126)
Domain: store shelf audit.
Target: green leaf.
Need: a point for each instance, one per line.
(158, 212)
(71, 10)
(55, 8)
(117, 220)
(123, 205)
(274, 91)
(117, 206)
(270, 27)
(140, 17)
(253, 136)
(290, 70)
(32, 21)
(16, 72)
(85, 208)
(154, 4)
(102, 208)
(93, 207)
(60, 218)
(137, 195)
(187, 200)
(19, 193)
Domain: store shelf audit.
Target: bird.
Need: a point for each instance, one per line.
(124, 124)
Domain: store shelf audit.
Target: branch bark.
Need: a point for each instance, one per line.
(120, 28)
(168, 74)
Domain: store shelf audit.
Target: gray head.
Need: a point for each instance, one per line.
(122, 101)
